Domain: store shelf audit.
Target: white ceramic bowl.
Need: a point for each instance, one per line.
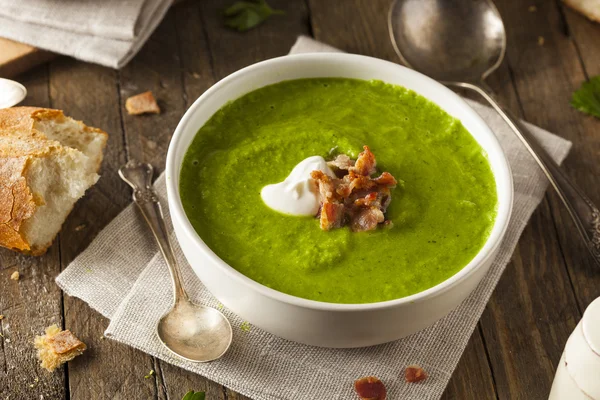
(313, 322)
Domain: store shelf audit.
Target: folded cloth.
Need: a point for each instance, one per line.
(122, 275)
(108, 32)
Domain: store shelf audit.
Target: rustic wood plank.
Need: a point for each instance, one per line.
(158, 68)
(232, 50)
(472, 379)
(582, 130)
(531, 314)
(107, 369)
(534, 308)
(355, 26)
(365, 32)
(30, 304)
(195, 72)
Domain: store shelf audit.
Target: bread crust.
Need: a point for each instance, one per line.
(20, 144)
(587, 8)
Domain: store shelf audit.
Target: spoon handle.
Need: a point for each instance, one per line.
(584, 213)
(139, 177)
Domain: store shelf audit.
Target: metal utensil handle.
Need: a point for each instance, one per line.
(584, 213)
(139, 177)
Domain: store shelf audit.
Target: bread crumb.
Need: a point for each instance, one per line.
(80, 227)
(15, 276)
(1, 317)
(541, 40)
(57, 347)
(142, 103)
(196, 75)
(532, 8)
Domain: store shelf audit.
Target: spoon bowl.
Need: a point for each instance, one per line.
(449, 40)
(195, 332)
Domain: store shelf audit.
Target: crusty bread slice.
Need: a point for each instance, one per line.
(47, 162)
(589, 8)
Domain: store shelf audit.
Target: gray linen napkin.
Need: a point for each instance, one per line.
(122, 276)
(106, 32)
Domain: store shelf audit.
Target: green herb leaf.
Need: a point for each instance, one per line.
(245, 326)
(245, 15)
(587, 98)
(191, 395)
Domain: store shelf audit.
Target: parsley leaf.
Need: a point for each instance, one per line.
(245, 15)
(587, 98)
(191, 395)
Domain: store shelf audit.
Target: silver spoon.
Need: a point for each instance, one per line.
(460, 43)
(11, 93)
(191, 331)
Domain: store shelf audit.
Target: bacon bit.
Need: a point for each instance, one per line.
(366, 201)
(370, 388)
(414, 373)
(365, 163)
(325, 184)
(386, 179)
(331, 216)
(354, 197)
(367, 219)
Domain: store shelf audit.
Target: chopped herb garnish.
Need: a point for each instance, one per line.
(587, 98)
(245, 326)
(245, 15)
(191, 395)
(151, 373)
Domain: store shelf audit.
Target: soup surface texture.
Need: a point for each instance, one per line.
(442, 211)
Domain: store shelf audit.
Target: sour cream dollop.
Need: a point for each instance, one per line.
(298, 193)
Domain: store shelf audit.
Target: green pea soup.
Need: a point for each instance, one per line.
(442, 211)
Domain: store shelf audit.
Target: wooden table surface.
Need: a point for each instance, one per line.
(549, 282)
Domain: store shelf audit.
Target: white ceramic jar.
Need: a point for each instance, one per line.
(312, 322)
(578, 372)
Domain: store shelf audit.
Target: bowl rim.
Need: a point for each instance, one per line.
(177, 212)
